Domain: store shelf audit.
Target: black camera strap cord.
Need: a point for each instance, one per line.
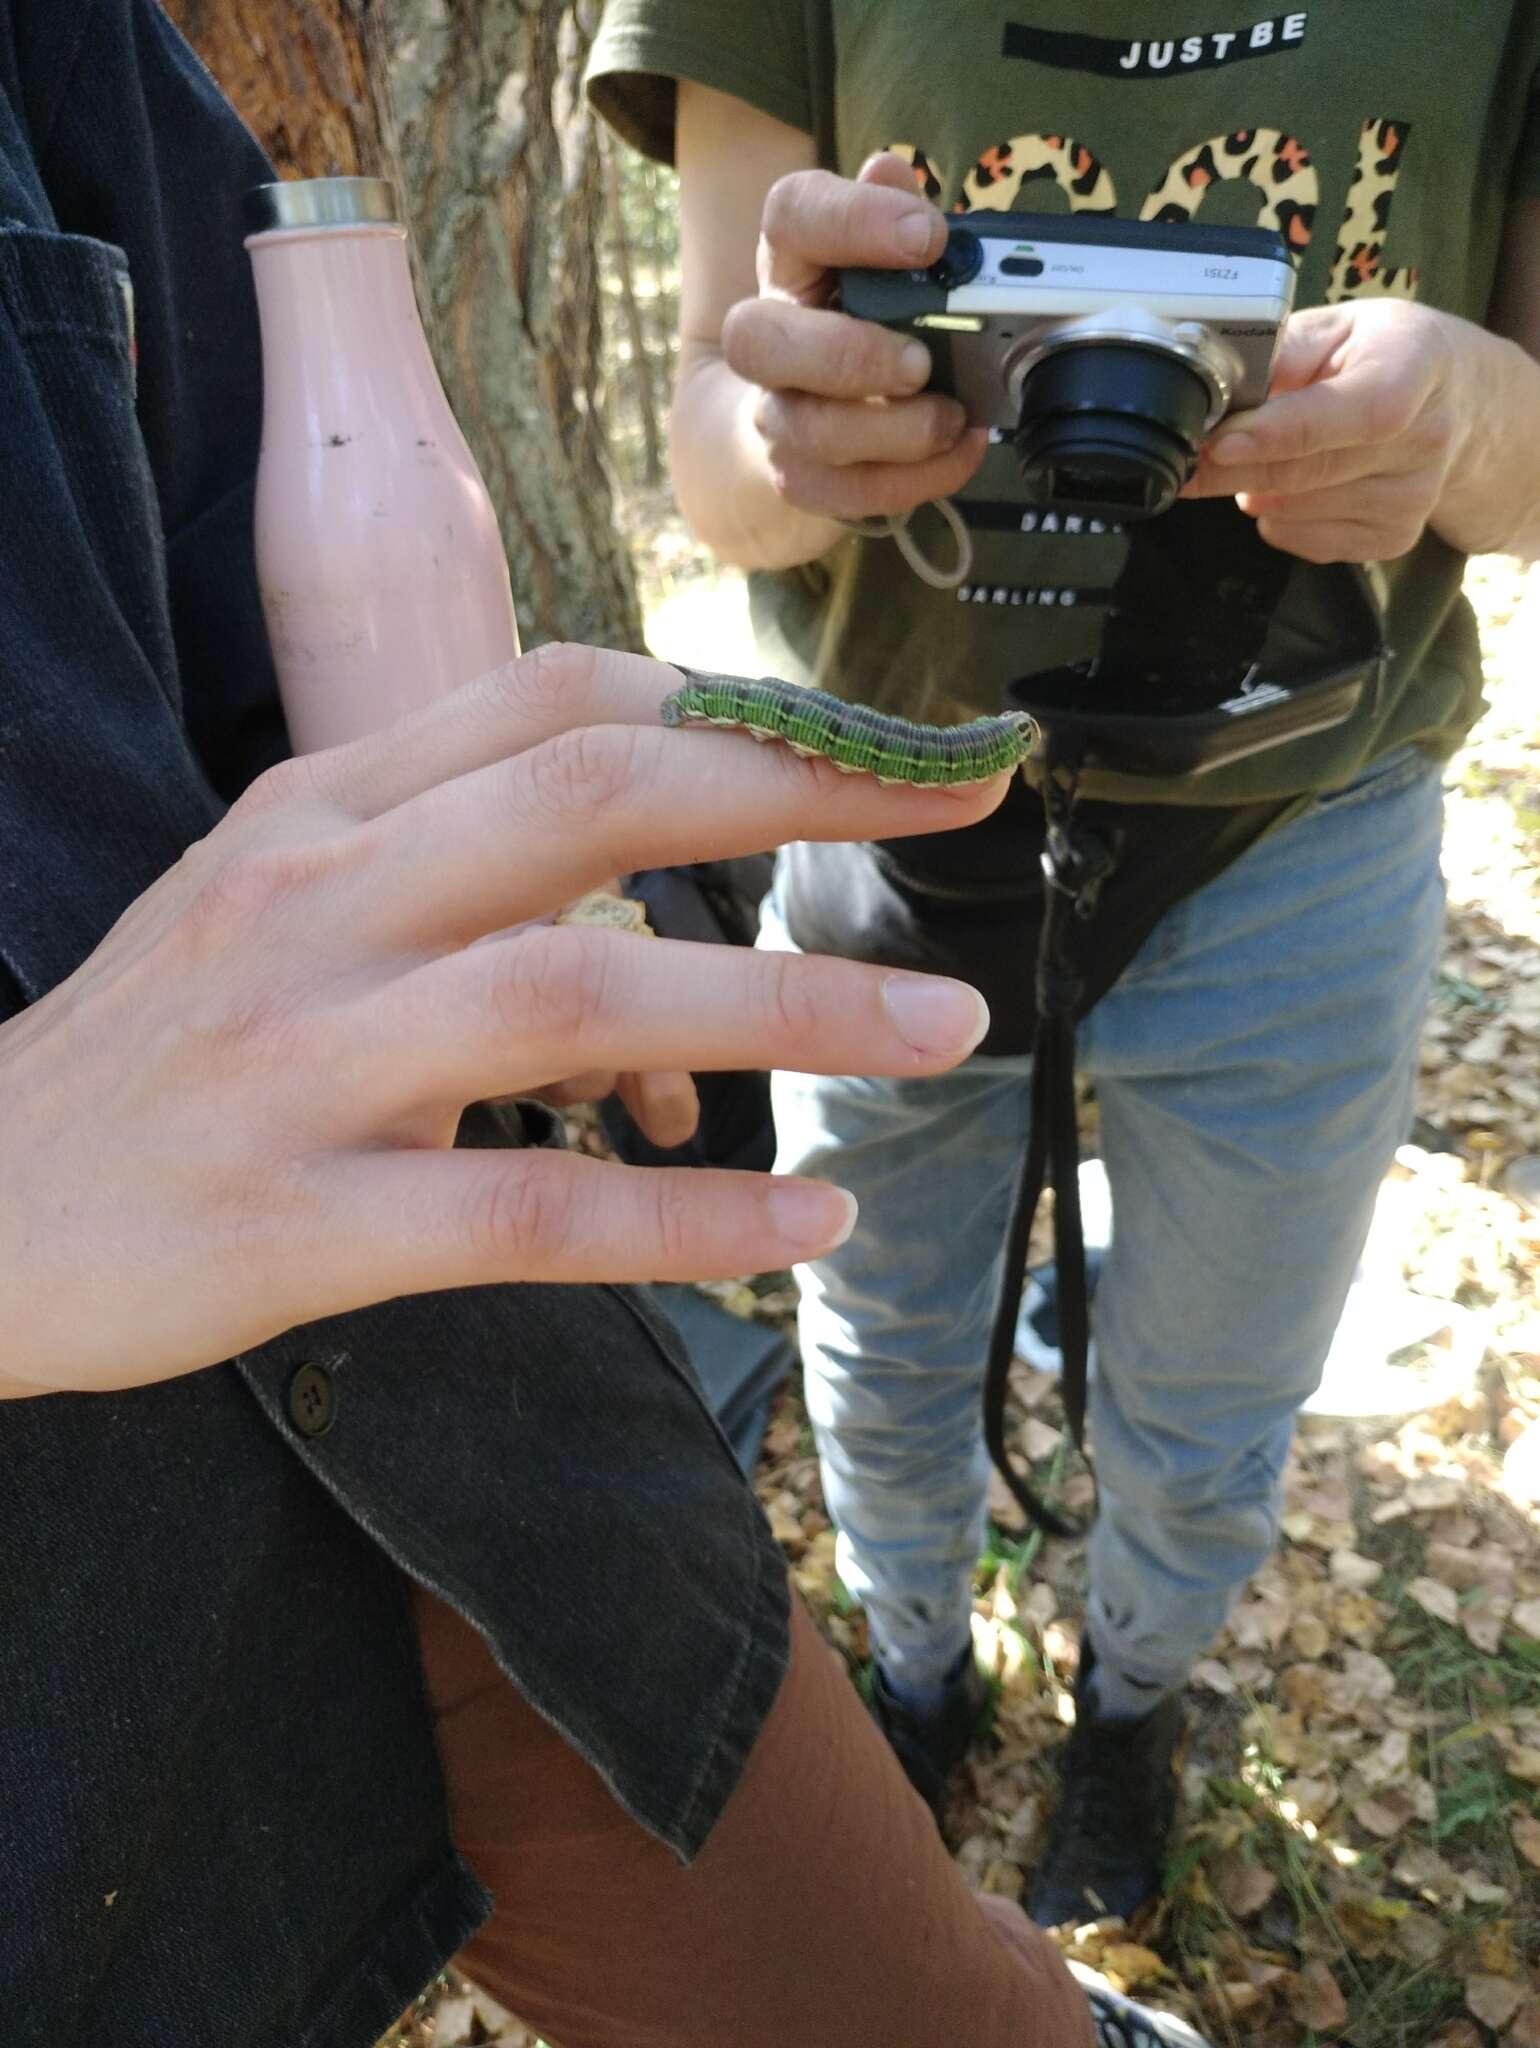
(1076, 863)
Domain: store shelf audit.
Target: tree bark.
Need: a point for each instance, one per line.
(467, 105)
(507, 219)
(310, 78)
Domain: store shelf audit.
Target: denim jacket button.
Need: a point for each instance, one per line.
(312, 1400)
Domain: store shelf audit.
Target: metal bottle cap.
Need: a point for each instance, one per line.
(321, 203)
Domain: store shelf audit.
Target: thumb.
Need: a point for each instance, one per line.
(887, 169)
(1311, 341)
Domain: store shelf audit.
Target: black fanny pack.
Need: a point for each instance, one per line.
(1216, 647)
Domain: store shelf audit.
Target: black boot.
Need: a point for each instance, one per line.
(931, 1746)
(1116, 1805)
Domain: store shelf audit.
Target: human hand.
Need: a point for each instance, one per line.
(238, 1115)
(1351, 455)
(848, 432)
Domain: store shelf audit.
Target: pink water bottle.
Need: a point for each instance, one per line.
(383, 577)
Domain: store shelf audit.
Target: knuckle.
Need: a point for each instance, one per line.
(553, 985)
(747, 326)
(245, 890)
(854, 359)
(276, 788)
(550, 678)
(786, 207)
(574, 777)
(672, 1217)
(804, 426)
(516, 1218)
(770, 415)
(793, 1006)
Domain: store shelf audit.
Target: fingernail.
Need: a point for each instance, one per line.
(914, 362)
(914, 235)
(811, 1214)
(940, 1018)
(1230, 448)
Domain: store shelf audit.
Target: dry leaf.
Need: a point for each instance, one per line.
(1309, 1635)
(1526, 1838)
(1038, 1439)
(1525, 2031)
(1494, 2000)
(1133, 1964)
(1041, 1605)
(1388, 1760)
(1485, 1623)
(1437, 1599)
(1422, 1869)
(1237, 1997)
(1481, 1891)
(1527, 1617)
(455, 2020)
(1242, 1888)
(1464, 1568)
(1523, 1763)
(601, 907)
(1423, 1494)
(1458, 2034)
(1385, 1816)
(1494, 1950)
(1311, 1798)
(1208, 1671)
(1002, 1880)
(1317, 2001)
(1420, 1939)
(1303, 1687)
(1368, 1924)
(1359, 1618)
(1364, 1680)
(1353, 1573)
(1259, 1624)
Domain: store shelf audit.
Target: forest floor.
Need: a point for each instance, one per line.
(1359, 1854)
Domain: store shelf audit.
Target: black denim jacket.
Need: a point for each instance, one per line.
(221, 1818)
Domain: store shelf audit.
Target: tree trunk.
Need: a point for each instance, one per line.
(482, 94)
(507, 220)
(643, 391)
(310, 78)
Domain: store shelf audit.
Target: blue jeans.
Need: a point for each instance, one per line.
(1254, 1069)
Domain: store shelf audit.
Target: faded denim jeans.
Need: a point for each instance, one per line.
(1253, 1069)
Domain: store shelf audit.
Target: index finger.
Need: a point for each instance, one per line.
(1320, 420)
(527, 701)
(814, 222)
(514, 840)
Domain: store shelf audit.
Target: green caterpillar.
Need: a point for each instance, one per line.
(858, 740)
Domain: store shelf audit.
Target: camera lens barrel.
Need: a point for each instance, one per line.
(1111, 428)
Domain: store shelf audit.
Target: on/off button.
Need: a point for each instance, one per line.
(1021, 266)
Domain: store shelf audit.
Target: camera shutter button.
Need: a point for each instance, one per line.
(960, 261)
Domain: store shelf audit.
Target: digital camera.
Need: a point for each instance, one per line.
(1107, 350)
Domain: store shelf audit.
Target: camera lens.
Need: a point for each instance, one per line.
(1110, 429)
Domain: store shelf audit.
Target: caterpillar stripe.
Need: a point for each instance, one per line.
(857, 739)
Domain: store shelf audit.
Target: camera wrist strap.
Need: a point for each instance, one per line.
(1076, 863)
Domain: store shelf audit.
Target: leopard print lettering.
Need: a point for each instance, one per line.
(1278, 165)
(1360, 271)
(1003, 172)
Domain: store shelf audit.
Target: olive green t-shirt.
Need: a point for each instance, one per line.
(1383, 138)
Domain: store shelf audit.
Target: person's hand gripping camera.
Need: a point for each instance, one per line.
(848, 428)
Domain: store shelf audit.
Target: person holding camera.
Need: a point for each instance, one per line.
(1255, 1054)
(367, 1596)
